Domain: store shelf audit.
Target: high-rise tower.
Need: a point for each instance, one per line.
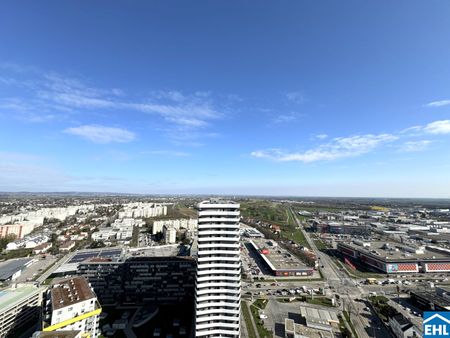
(218, 287)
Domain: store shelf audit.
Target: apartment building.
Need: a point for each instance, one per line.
(218, 282)
(141, 280)
(16, 230)
(169, 234)
(73, 306)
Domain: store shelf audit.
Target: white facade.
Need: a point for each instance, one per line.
(218, 285)
(170, 234)
(182, 223)
(74, 306)
(140, 210)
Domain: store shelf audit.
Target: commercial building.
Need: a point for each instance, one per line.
(402, 327)
(73, 306)
(218, 285)
(277, 260)
(430, 301)
(20, 309)
(252, 233)
(390, 257)
(11, 269)
(341, 228)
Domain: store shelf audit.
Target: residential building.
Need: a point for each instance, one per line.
(218, 285)
(73, 306)
(20, 309)
(182, 223)
(170, 234)
(42, 248)
(141, 280)
(16, 230)
(66, 246)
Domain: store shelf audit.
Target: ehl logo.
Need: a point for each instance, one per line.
(436, 324)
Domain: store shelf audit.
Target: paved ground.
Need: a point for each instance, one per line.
(36, 268)
(277, 312)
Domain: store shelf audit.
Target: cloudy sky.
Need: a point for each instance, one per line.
(320, 98)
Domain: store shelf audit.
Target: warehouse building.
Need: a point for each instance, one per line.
(12, 269)
(429, 301)
(278, 260)
(390, 257)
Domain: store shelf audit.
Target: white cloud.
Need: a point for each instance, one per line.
(102, 134)
(285, 118)
(166, 153)
(51, 95)
(295, 97)
(321, 136)
(437, 127)
(413, 146)
(340, 147)
(438, 103)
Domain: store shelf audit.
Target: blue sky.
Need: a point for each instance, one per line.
(320, 98)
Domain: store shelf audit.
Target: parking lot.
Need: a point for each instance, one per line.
(36, 268)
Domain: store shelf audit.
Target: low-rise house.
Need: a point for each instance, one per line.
(42, 248)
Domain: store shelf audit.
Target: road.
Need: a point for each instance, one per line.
(345, 287)
(55, 266)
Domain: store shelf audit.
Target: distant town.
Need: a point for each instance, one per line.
(167, 266)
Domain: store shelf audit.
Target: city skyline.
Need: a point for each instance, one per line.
(307, 99)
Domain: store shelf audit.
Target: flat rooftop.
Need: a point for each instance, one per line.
(155, 251)
(9, 297)
(432, 297)
(10, 267)
(80, 256)
(70, 291)
(277, 257)
(397, 251)
(304, 331)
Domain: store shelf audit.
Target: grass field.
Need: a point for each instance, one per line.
(266, 211)
(262, 331)
(347, 318)
(248, 321)
(260, 303)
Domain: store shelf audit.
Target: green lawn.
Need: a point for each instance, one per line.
(262, 331)
(320, 301)
(260, 303)
(320, 244)
(248, 321)
(347, 318)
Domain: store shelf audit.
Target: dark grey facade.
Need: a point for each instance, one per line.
(142, 280)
